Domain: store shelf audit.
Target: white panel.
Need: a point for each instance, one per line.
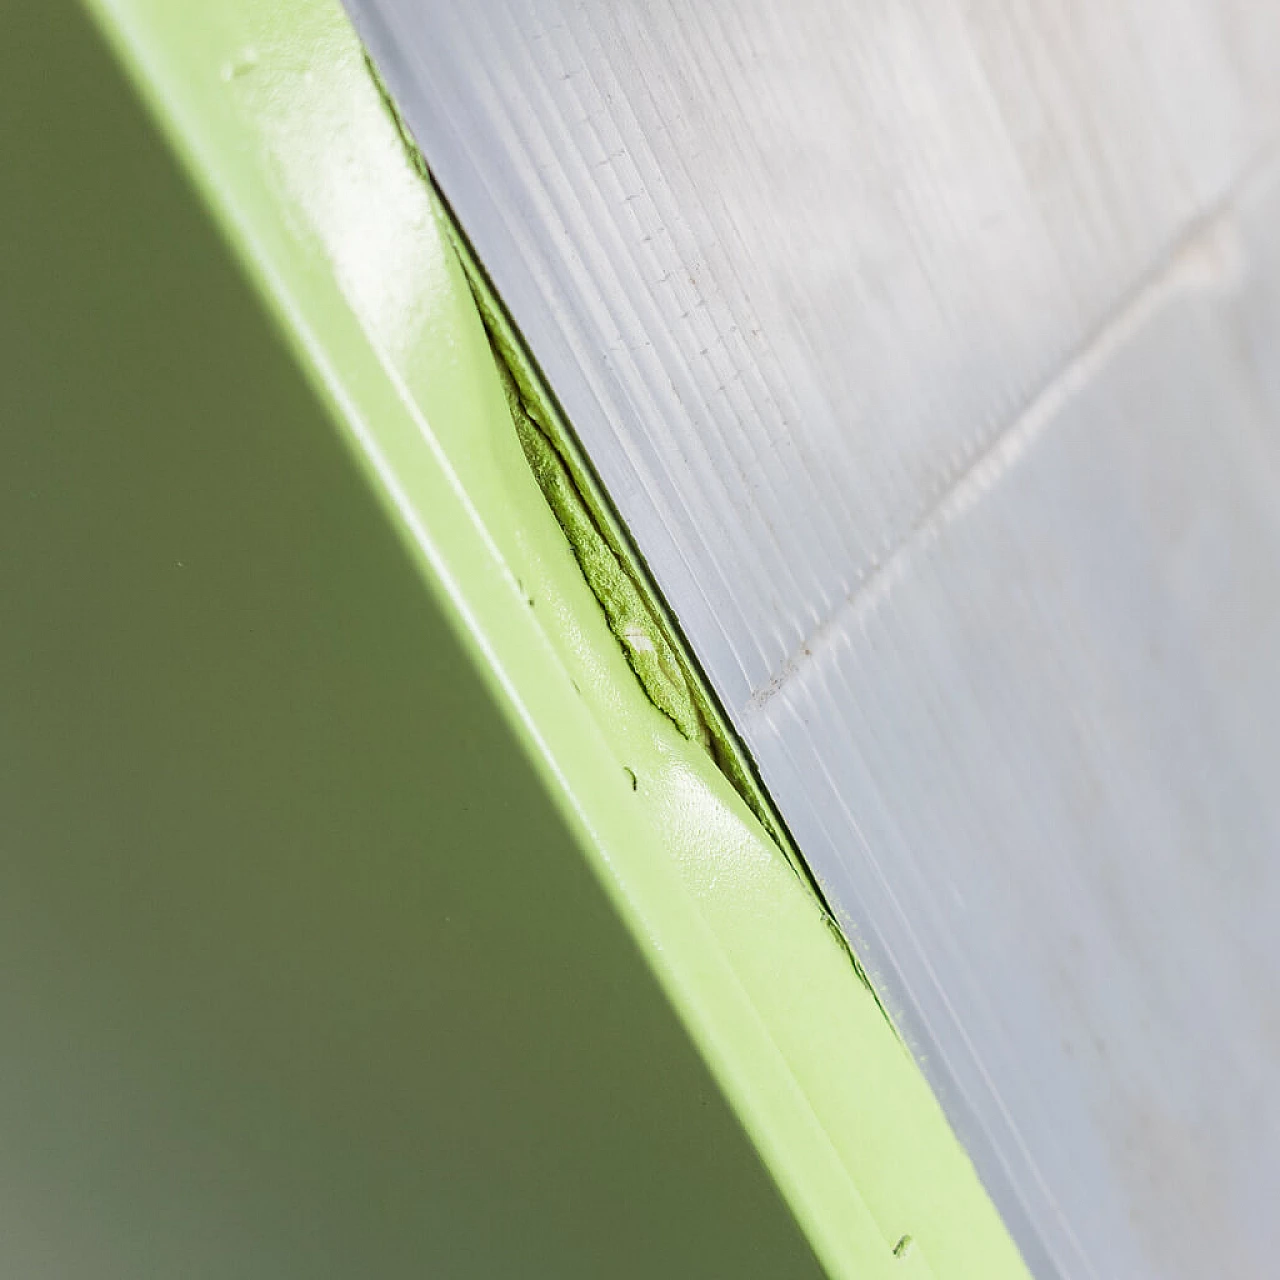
(931, 352)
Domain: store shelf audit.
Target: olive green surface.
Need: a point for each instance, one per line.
(301, 971)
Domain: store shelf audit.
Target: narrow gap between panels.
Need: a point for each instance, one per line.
(611, 565)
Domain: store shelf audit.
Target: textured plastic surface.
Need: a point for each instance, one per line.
(362, 915)
(930, 354)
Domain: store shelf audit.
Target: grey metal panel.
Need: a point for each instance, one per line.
(930, 352)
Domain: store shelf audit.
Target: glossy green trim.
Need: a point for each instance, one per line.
(270, 107)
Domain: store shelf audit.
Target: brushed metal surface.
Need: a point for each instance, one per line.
(930, 353)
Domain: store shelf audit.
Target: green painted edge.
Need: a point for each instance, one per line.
(637, 630)
(269, 106)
